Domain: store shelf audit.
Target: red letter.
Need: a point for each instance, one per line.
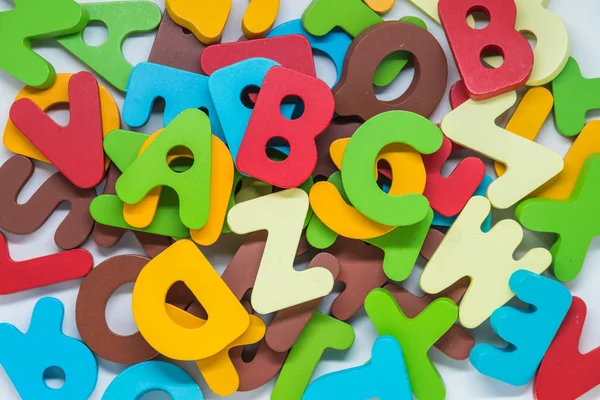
(76, 149)
(449, 195)
(565, 373)
(468, 45)
(267, 123)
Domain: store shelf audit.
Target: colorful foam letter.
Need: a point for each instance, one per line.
(573, 219)
(57, 94)
(457, 342)
(23, 218)
(123, 148)
(448, 195)
(140, 215)
(179, 89)
(574, 96)
(487, 258)
(26, 356)
(360, 158)
(16, 276)
(529, 165)
(122, 19)
(552, 48)
(149, 376)
(354, 93)
(468, 45)
(416, 336)
(529, 333)
(191, 129)
(405, 164)
(551, 381)
(75, 149)
(31, 20)
(267, 122)
(278, 285)
(384, 377)
(227, 320)
(321, 332)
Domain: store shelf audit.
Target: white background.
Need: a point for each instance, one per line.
(462, 381)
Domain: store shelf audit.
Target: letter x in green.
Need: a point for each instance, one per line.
(576, 220)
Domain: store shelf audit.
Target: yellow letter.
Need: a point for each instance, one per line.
(227, 318)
